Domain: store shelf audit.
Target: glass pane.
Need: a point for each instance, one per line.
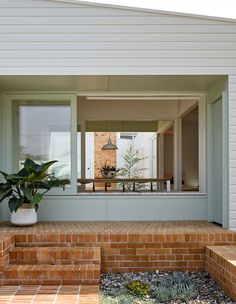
(190, 157)
(134, 154)
(89, 167)
(154, 156)
(44, 134)
(140, 145)
(79, 150)
(134, 158)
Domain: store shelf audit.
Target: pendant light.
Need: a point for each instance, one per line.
(109, 146)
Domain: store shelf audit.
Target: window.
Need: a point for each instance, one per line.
(190, 145)
(43, 134)
(133, 157)
(47, 130)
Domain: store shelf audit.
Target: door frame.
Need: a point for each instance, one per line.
(225, 158)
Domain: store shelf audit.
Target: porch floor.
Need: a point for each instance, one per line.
(141, 227)
(37, 294)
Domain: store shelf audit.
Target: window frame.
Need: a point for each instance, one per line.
(202, 131)
(9, 98)
(10, 158)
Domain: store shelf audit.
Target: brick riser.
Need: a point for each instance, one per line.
(53, 266)
(6, 243)
(124, 252)
(51, 275)
(55, 255)
(140, 252)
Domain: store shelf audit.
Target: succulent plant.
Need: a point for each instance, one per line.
(178, 287)
(138, 288)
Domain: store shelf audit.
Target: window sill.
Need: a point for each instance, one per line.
(136, 194)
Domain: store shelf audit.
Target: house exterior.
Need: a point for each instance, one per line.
(81, 56)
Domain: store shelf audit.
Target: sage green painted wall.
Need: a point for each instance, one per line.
(218, 90)
(214, 91)
(124, 207)
(1, 132)
(2, 213)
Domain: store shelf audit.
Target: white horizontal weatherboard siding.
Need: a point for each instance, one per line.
(49, 37)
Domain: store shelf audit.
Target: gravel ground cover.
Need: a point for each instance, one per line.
(114, 291)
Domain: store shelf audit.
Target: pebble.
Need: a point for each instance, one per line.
(113, 284)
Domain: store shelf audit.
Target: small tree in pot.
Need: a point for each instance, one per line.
(26, 189)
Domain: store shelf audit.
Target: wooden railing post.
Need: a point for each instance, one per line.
(168, 186)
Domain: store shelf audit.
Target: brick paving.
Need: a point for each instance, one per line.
(60, 294)
(77, 227)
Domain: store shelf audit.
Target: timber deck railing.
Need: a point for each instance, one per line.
(160, 182)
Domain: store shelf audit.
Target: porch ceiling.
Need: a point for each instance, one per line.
(104, 83)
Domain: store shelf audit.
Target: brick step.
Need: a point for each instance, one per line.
(6, 243)
(55, 255)
(221, 265)
(86, 274)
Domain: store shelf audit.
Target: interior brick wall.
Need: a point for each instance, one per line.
(103, 156)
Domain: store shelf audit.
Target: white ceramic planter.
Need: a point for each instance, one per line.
(24, 217)
(109, 175)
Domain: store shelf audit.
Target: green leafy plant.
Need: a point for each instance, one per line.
(137, 288)
(29, 185)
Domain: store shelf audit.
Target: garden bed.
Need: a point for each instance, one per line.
(161, 287)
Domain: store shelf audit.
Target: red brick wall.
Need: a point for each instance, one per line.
(102, 156)
(220, 264)
(6, 243)
(140, 252)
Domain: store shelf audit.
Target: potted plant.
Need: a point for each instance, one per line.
(26, 189)
(108, 171)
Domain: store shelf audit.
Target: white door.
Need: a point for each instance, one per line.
(217, 163)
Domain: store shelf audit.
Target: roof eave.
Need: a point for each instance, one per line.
(148, 10)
